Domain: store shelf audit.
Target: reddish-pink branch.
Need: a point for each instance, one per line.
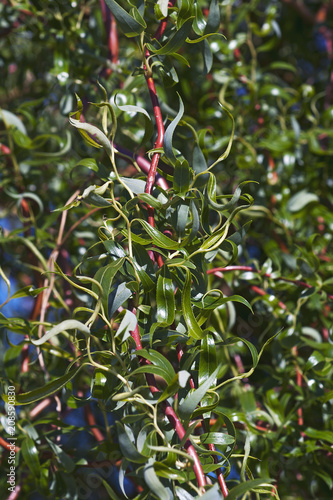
(142, 162)
(15, 494)
(90, 419)
(158, 144)
(160, 130)
(113, 41)
(160, 133)
(177, 425)
(300, 419)
(157, 110)
(262, 292)
(151, 175)
(171, 414)
(112, 35)
(8, 446)
(219, 472)
(40, 407)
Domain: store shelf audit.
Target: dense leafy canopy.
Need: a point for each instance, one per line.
(162, 330)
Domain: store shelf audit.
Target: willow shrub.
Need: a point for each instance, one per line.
(207, 366)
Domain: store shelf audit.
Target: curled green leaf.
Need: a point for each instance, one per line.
(68, 324)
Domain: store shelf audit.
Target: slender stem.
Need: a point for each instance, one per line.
(262, 292)
(166, 406)
(36, 410)
(160, 133)
(219, 472)
(90, 419)
(171, 415)
(143, 163)
(175, 422)
(15, 494)
(299, 384)
(8, 446)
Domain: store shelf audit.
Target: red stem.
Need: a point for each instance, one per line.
(299, 384)
(219, 472)
(157, 110)
(143, 163)
(113, 41)
(167, 408)
(40, 407)
(175, 422)
(90, 418)
(171, 414)
(15, 494)
(160, 133)
(158, 144)
(7, 446)
(262, 292)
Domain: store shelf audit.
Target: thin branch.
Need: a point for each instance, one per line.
(8, 446)
(15, 494)
(143, 163)
(211, 446)
(171, 415)
(90, 418)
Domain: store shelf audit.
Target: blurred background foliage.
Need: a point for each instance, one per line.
(273, 71)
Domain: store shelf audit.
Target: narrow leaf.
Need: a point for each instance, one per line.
(157, 237)
(94, 131)
(208, 358)
(31, 456)
(167, 141)
(127, 325)
(194, 329)
(174, 43)
(165, 301)
(130, 26)
(181, 177)
(127, 447)
(45, 391)
(243, 488)
(154, 484)
(212, 494)
(179, 380)
(68, 324)
(191, 402)
(62, 457)
(218, 438)
(213, 20)
(160, 361)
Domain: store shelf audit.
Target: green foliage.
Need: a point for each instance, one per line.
(191, 322)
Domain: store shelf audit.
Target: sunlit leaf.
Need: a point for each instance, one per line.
(165, 301)
(176, 41)
(130, 26)
(187, 407)
(168, 136)
(68, 324)
(31, 456)
(194, 329)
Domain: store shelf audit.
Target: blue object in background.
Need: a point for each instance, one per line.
(320, 42)
(22, 306)
(15, 308)
(241, 91)
(254, 251)
(233, 475)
